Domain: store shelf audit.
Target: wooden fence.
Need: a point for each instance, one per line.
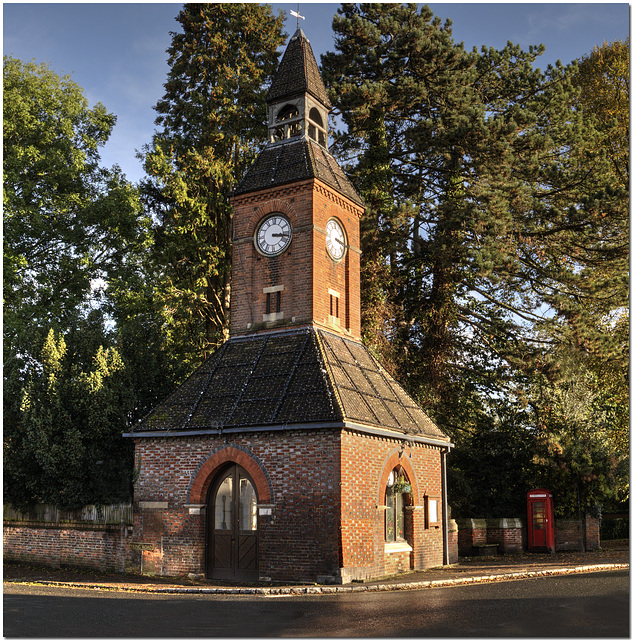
(94, 514)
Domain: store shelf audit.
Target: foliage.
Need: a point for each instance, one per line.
(582, 445)
(71, 228)
(491, 470)
(211, 119)
(67, 221)
(62, 441)
(496, 236)
(604, 79)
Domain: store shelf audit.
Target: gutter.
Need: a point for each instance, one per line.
(351, 426)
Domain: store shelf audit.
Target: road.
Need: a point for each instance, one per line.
(586, 605)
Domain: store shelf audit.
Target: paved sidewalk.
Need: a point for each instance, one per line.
(467, 571)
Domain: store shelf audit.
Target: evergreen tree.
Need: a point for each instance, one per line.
(63, 430)
(499, 210)
(211, 119)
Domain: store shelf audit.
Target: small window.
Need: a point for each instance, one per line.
(273, 302)
(334, 302)
(316, 128)
(397, 488)
(314, 115)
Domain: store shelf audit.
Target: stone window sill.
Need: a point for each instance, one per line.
(397, 547)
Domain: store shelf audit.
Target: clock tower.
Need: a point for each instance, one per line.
(290, 453)
(296, 242)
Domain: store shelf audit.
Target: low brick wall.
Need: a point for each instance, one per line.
(510, 534)
(569, 535)
(453, 541)
(507, 533)
(97, 547)
(89, 538)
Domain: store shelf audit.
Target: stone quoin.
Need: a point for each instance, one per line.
(290, 454)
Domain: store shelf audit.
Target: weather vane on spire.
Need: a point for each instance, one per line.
(297, 14)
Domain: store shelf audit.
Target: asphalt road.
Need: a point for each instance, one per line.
(586, 605)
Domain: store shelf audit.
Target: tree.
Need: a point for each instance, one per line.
(579, 448)
(71, 228)
(68, 223)
(62, 438)
(490, 221)
(604, 80)
(495, 236)
(211, 118)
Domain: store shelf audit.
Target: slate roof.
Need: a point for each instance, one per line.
(295, 377)
(292, 161)
(298, 72)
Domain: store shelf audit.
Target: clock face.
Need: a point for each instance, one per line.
(335, 239)
(274, 235)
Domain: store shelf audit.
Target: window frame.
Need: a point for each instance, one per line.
(432, 523)
(399, 504)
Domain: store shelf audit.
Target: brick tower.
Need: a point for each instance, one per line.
(296, 248)
(290, 454)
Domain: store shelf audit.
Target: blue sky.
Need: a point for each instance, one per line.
(116, 52)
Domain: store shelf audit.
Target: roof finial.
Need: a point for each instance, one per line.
(297, 14)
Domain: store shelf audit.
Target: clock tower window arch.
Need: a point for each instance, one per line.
(287, 123)
(316, 128)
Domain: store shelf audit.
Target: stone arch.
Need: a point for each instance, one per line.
(277, 205)
(216, 461)
(398, 458)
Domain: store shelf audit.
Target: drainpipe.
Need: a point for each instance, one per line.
(444, 508)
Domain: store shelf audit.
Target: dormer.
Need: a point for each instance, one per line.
(297, 101)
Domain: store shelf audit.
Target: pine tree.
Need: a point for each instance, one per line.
(506, 201)
(211, 119)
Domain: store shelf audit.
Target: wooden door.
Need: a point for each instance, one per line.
(232, 541)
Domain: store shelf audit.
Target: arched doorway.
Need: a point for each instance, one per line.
(232, 539)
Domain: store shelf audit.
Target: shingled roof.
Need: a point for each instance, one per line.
(293, 161)
(298, 72)
(295, 378)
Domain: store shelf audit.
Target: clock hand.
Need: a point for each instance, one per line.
(339, 241)
(279, 235)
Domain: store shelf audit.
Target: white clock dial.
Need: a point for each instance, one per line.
(335, 239)
(273, 235)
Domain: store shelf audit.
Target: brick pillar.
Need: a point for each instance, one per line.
(471, 531)
(453, 541)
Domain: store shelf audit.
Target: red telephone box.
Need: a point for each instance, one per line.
(541, 528)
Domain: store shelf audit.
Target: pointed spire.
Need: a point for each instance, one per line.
(298, 73)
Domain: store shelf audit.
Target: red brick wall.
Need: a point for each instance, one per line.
(305, 270)
(102, 548)
(299, 476)
(453, 541)
(472, 531)
(508, 533)
(569, 535)
(367, 461)
(326, 489)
